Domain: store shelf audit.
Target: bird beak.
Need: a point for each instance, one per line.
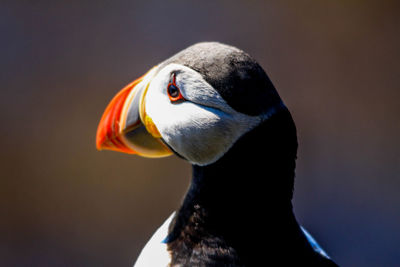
(125, 126)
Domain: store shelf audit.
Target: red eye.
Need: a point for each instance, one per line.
(173, 90)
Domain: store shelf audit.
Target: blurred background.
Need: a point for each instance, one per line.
(62, 203)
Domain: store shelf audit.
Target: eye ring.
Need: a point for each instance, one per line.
(174, 93)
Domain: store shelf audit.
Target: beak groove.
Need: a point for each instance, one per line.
(108, 131)
(125, 127)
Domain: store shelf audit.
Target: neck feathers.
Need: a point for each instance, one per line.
(243, 200)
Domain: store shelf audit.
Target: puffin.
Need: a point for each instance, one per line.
(214, 106)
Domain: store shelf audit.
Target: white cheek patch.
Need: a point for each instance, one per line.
(201, 129)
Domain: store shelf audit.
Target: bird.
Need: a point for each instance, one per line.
(214, 106)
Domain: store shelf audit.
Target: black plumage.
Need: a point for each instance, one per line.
(238, 210)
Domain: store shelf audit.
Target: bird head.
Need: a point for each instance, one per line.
(196, 104)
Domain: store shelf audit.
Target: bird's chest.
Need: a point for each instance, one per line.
(206, 250)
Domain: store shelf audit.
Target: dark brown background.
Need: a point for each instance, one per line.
(62, 203)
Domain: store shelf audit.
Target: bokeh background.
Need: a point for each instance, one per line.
(62, 203)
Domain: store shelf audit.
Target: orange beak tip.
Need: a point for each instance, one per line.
(98, 147)
(108, 135)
